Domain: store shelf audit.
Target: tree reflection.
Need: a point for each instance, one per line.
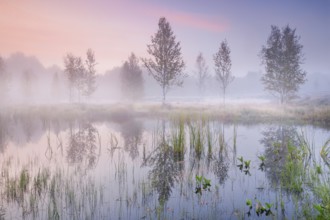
(164, 170)
(3, 134)
(220, 163)
(276, 141)
(82, 145)
(131, 132)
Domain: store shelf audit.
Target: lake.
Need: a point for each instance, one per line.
(161, 167)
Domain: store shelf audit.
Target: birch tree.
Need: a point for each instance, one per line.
(166, 65)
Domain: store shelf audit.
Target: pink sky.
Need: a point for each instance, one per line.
(50, 30)
(114, 29)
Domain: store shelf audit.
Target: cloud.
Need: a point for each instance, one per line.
(191, 20)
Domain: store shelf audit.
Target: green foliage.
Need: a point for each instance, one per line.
(240, 159)
(24, 180)
(202, 184)
(318, 169)
(197, 133)
(249, 203)
(293, 172)
(247, 164)
(282, 57)
(166, 70)
(178, 140)
(259, 208)
(40, 181)
(244, 164)
(262, 159)
(323, 192)
(325, 152)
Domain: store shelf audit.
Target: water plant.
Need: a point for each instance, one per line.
(244, 166)
(24, 180)
(197, 133)
(247, 164)
(322, 191)
(293, 172)
(325, 153)
(259, 208)
(262, 159)
(249, 204)
(202, 184)
(178, 140)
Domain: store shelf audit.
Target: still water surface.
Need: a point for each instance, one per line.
(145, 168)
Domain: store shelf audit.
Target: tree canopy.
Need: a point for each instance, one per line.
(282, 57)
(167, 64)
(222, 62)
(131, 78)
(202, 72)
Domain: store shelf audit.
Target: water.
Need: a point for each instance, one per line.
(129, 168)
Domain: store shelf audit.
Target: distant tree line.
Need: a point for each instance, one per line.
(281, 56)
(81, 75)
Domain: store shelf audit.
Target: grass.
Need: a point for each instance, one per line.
(238, 113)
(178, 139)
(325, 152)
(72, 194)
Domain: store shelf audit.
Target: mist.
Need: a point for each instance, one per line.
(29, 82)
(164, 110)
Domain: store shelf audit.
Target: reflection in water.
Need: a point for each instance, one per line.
(164, 186)
(276, 141)
(3, 134)
(29, 126)
(82, 145)
(131, 131)
(221, 165)
(164, 170)
(220, 168)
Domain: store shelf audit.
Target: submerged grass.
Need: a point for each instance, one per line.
(178, 139)
(293, 173)
(69, 196)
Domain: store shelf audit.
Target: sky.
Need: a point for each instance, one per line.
(49, 29)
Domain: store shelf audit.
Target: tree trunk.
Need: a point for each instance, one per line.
(164, 95)
(224, 97)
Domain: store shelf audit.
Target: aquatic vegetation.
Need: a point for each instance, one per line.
(293, 172)
(322, 191)
(247, 164)
(197, 135)
(259, 208)
(244, 166)
(160, 179)
(325, 152)
(202, 184)
(262, 164)
(178, 140)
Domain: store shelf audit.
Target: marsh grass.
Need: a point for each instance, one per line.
(196, 134)
(119, 112)
(178, 139)
(293, 172)
(63, 193)
(325, 153)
